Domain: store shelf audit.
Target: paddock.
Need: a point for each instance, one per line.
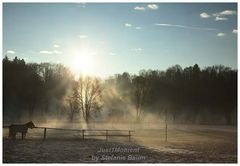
(52, 132)
(186, 143)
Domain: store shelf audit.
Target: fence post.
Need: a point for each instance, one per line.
(166, 125)
(83, 134)
(166, 132)
(106, 135)
(45, 133)
(129, 136)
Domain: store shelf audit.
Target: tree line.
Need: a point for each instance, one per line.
(189, 95)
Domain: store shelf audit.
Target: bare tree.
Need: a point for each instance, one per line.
(74, 101)
(141, 89)
(90, 91)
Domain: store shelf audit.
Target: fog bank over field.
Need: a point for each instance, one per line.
(49, 94)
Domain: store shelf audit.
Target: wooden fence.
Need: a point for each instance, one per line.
(87, 132)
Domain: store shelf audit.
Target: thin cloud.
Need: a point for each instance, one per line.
(10, 52)
(186, 27)
(128, 25)
(221, 16)
(235, 31)
(50, 52)
(204, 15)
(225, 13)
(45, 52)
(83, 36)
(56, 45)
(218, 18)
(152, 6)
(140, 8)
(228, 12)
(221, 34)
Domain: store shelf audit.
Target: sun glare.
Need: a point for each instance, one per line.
(82, 63)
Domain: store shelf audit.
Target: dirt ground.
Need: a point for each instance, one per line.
(186, 144)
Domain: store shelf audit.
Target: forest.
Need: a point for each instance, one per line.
(189, 95)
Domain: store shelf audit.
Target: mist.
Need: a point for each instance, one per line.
(49, 95)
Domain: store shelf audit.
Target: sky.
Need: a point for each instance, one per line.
(108, 38)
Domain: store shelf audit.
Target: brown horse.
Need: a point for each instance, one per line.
(19, 128)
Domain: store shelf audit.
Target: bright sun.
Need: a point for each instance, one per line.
(82, 63)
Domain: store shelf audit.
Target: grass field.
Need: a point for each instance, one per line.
(186, 144)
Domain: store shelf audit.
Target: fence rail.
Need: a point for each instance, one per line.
(87, 132)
